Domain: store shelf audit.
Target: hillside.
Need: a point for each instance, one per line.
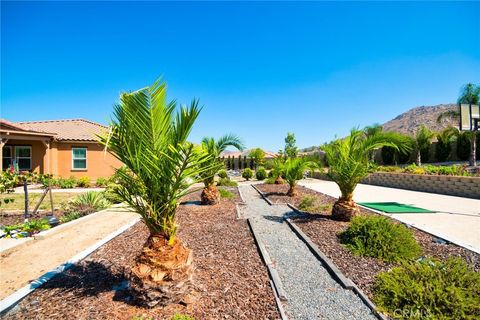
(408, 122)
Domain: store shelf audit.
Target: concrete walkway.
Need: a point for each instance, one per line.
(456, 219)
(26, 262)
(310, 290)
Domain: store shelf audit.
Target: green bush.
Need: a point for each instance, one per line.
(34, 226)
(247, 173)
(84, 182)
(376, 236)
(69, 216)
(110, 193)
(429, 289)
(181, 317)
(222, 174)
(101, 182)
(269, 180)
(64, 183)
(226, 182)
(308, 204)
(261, 173)
(88, 202)
(225, 194)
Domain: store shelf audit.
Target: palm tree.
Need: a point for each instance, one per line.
(469, 94)
(150, 138)
(371, 131)
(423, 139)
(214, 148)
(349, 163)
(445, 138)
(293, 170)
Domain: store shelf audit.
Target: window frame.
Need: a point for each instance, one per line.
(17, 157)
(11, 156)
(86, 159)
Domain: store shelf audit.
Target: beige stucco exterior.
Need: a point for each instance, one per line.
(55, 157)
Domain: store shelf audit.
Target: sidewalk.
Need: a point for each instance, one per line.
(27, 262)
(456, 219)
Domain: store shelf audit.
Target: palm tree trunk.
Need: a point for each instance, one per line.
(473, 150)
(345, 208)
(162, 274)
(292, 191)
(419, 158)
(210, 195)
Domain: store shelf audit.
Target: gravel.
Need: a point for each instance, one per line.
(311, 292)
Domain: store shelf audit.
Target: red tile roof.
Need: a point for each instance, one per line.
(68, 129)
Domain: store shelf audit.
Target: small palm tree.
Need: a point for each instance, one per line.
(150, 139)
(423, 139)
(469, 94)
(210, 194)
(349, 163)
(293, 170)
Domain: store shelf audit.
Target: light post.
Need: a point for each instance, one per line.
(469, 120)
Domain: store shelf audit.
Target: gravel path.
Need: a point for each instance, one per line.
(311, 292)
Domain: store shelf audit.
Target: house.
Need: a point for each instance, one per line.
(60, 147)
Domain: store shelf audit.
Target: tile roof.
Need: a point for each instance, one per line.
(9, 126)
(235, 154)
(68, 129)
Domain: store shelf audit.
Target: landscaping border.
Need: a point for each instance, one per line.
(12, 300)
(264, 196)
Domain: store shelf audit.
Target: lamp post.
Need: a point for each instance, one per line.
(469, 121)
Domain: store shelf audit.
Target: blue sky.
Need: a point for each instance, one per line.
(261, 69)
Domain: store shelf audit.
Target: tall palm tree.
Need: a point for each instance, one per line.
(293, 170)
(422, 140)
(349, 163)
(214, 148)
(469, 94)
(150, 138)
(445, 139)
(371, 131)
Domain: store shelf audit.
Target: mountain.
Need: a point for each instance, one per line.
(408, 122)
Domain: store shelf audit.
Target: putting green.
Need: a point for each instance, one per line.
(394, 207)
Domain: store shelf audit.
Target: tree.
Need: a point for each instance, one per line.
(293, 170)
(258, 156)
(445, 138)
(291, 150)
(150, 138)
(422, 141)
(349, 163)
(469, 94)
(210, 194)
(247, 173)
(370, 131)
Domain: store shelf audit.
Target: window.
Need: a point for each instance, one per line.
(23, 157)
(7, 157)
(79, 158)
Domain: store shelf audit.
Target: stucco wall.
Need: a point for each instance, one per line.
(38, 152)
(457, 186)
(99, 163)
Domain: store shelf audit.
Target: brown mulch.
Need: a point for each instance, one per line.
(323, 232)
(230, 279)
(18, 217)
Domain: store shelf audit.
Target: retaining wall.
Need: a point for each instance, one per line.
(451, 185)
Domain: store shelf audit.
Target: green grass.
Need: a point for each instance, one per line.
(225, 194)
(59, 198)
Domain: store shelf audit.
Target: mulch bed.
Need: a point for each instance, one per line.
(323, 231)
(18, 217)
(230, 279)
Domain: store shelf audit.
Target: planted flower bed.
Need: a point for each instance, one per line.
(353, 260)
(230, 280)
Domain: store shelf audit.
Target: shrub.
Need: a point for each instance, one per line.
(270, 180)
(388, 155)
(308, 203)
(226, 182)
(110, 194)
(70, 216)
(261, 173)
(222, 174)
(34, 226)
(226, 194)
(90, 201)
(413, 168)
(430, 288)
(66, 183)
(101, 182)
(247, 173)
(181, 317)
(378, 237)
(84, 182)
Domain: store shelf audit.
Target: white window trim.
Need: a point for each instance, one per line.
(86, 161)
(17, 157)
(11, 154)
